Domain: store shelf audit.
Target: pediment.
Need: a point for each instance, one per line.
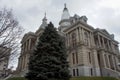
(105, 31)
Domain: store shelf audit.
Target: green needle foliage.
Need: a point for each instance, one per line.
(49, 59)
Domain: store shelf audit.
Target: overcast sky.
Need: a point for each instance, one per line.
(104, 14)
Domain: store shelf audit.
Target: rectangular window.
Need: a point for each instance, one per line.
(76, 57)
(73, 72)
(86, 37)
(77, 70)
(91, 72)
(73, 40)
(73, 57)
(89, 55)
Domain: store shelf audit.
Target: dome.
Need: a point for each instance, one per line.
(65, 14)
(44, 22)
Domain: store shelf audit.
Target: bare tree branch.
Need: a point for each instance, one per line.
(10, 34)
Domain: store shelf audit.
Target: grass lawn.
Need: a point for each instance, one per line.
(76, 78)
(17, 78)
(93, 78)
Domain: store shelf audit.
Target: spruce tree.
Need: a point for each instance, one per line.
(49, 59)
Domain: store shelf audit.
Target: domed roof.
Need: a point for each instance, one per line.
(44, 22)
(65, 14)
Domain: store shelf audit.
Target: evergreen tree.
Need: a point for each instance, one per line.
(49, 59)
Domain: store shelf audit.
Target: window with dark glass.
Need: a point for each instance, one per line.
(91, 71)
(77, 70)
(73, 57)
(76, 57)
(86, 38)
(73, 72)
(89, 55)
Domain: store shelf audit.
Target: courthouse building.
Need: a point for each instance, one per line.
(91, 52)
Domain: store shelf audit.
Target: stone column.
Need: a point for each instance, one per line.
(111, 45)
(29, 44)
(80, 32)
(91, 41)
(117, 61)
(99, 40)
(109, 61)
(108, 44)
(68, 39)
(102, 59)
(113, 61)
(24, 46)
(23, 49)
(116, 64)
(18, 65)
(95, 63)
(103, 42)
(77, 35)
(24, 61)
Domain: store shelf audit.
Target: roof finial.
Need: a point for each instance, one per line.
(44, 19)
(65, 5)
(45, 14)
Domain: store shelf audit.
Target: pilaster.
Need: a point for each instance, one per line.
(99, 40)
(103, 42)
(77, 35)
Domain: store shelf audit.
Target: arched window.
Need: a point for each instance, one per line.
(73, 58)
(76, 57)
(73, 40)
(86, 38)
(90, 57)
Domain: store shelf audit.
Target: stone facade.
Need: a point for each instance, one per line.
(91, 52)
